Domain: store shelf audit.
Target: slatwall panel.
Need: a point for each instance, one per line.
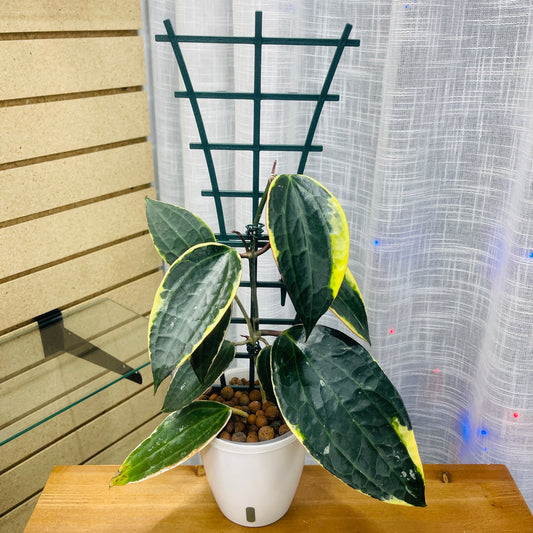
(75, 168)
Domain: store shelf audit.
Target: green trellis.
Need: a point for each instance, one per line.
(254, 233)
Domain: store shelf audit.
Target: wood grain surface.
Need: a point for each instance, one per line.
(460, 498)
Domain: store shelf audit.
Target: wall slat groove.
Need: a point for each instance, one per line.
(137, 293)
(26, 66)
(5, 521)
(57, 262)
(69, 15)
(121, 292)
(70, 153)
(82, 34)
(27, 396)
(91, 323)
(89, 275)
(69, 234)
(31, 131)
(16, 519)
(15, 102)
(67, 207)
(119, 449)
(115, 288)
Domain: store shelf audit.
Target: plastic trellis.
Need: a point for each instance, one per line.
(254, 232)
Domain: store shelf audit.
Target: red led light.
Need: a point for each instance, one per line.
(515, 415)
(436, 370)
(391, 331)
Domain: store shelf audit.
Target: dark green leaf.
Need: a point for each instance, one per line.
(263, 373)
(347, 413)
(202, 358)
(193, 297)
(185, 386)
(177, 438)
(309, 238)
(350, 308)
(174, 229)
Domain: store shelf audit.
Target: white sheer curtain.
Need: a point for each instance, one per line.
(430, 153)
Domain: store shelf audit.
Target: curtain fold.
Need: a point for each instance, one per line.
(430, 152)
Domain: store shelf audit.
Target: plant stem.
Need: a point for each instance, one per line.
(264, 197)
(272, 332)
(251, 253)
(238, 412)
(245, 315)
(252, 265)
(242, 343)
(239, 234)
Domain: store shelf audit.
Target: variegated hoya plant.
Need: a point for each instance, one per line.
(331, 392)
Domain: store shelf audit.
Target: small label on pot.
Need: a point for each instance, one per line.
(250, 514)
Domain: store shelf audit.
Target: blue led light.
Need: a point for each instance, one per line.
(530, 254)
(483, 432)
(465, 428)
(377, 242)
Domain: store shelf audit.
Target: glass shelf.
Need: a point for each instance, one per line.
(51, 367)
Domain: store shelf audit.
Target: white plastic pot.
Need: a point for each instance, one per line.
(254, 483)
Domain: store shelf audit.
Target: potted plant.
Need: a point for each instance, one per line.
(332, 394)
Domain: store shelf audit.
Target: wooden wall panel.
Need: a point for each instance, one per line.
(117, 452)
(58, 381)
(69, 15)
(75, 166)
(28, 477)
(35, 130)
(27, 444)
(61, 235)
(17, 519)
(79, 65)
(78, 279)
(53, 184)
(137, 295)
(28, 350)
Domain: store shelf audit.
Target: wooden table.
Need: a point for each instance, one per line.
(460, 498)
